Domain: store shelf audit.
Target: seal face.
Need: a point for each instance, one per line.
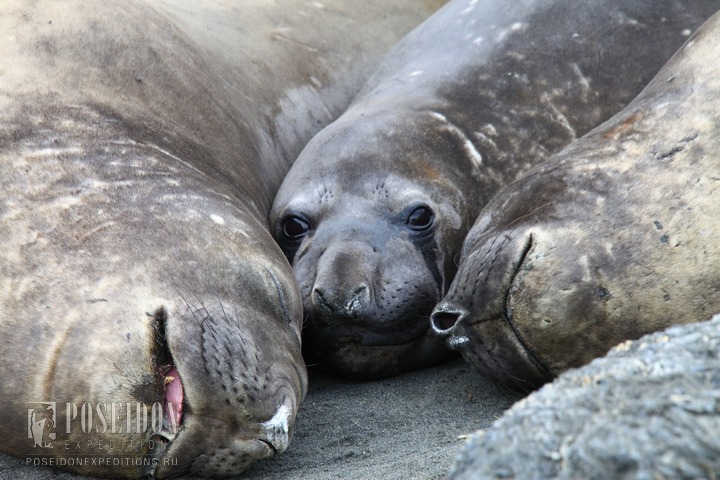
(146, 314)
(611, 239)
(373, 212)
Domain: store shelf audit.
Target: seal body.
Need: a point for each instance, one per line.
(646, 410)
(146, 314)
(613, 238)
(373, 212)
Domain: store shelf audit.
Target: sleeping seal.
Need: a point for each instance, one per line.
(373, 212)
(613, 238)
(150, 325)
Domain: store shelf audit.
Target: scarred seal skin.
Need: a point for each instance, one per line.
(141, 146)
(373, 213)
(612, 238)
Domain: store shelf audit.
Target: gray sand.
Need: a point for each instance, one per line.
(405, 427)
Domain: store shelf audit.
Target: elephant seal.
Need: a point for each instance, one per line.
(613, 238)
(373, 212)
(150, 325)
(649, 409)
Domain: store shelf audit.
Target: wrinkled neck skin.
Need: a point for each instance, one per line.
(464, 105)
(609, 240)
(141, 146)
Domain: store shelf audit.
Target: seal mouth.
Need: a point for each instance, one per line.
(173, 394)
(507, 316)
(273, 450)
(173, 404)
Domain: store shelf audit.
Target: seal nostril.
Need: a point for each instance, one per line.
(443, 321)
(359, 290)
(358, 299)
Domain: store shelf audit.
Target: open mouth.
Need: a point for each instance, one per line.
(173, 405)
(173, 394)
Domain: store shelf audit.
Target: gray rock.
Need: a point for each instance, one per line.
(650, 409)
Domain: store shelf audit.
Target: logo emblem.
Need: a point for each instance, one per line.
(41, 424)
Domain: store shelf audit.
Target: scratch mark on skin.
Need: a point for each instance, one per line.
(624, 127)
(482, 136)
(559, 116)
(280, 36)
(467, 144)
(584, 81)
(679, 148)
(95, 230)
(174, 157)
(527, 214)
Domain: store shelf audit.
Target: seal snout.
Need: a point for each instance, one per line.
(347, 300)
(276, 431)
(445, 317)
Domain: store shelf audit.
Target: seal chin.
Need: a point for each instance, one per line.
(349, 357)
(237, 451)
(364, 332)
(491, 346)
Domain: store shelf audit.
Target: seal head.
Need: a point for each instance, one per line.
(609, 240)
(373, 211)
(345, 231)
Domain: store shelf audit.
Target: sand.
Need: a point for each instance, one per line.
(406, 427)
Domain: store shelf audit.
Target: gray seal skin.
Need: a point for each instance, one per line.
(647, 410)
(141, 146)
(373, 213)
(613, 238)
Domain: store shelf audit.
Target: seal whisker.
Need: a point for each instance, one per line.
(529, 214)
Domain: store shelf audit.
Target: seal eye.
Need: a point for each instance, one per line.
(295, 228)
(421, 218)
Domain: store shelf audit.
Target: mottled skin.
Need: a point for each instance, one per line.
(373, 212)
(614, 237)
(647, 410)
(141, 145)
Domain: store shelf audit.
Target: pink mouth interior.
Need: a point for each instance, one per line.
(174, 396)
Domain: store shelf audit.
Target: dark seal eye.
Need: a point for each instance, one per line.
(421, 218)
(295, 228)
